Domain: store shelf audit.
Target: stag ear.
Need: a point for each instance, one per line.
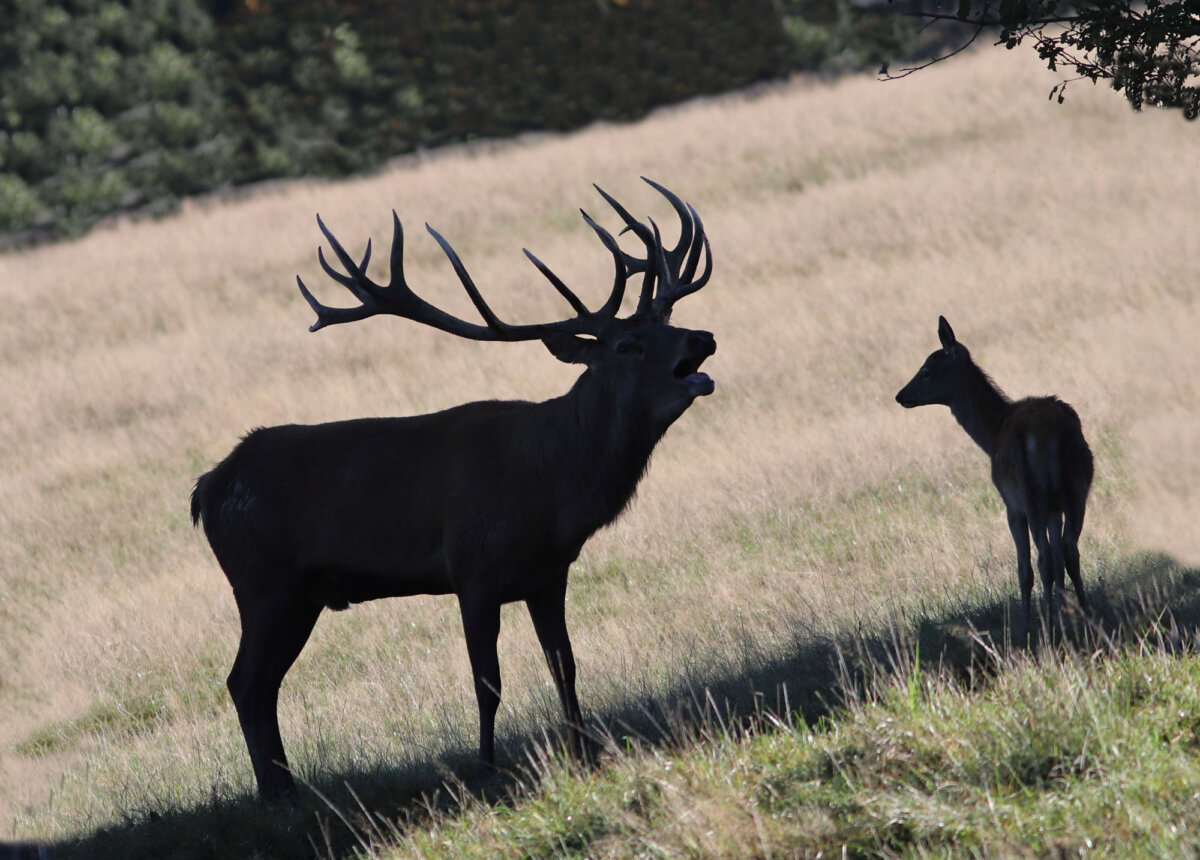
(571, 348)
(946, 335)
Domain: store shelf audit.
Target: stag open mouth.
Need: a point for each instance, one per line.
(696, 381)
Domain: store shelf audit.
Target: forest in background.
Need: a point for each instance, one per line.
(111, 106)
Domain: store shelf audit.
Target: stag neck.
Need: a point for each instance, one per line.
(612, 442)
(606, 417)
(980, 408)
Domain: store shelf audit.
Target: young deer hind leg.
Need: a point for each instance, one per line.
(1047, 550)
(274, 630)
(1072, 528)
(548, 612)
(1019, 526)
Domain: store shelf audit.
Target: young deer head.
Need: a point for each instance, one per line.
(1041, 463)
(489, 501)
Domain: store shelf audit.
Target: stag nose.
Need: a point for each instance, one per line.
(702, 341)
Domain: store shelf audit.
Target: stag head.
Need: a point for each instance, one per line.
(652, 362)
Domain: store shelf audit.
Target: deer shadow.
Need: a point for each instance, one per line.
(1144, 597)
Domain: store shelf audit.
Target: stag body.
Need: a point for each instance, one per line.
(489, 501)
(1041, 463)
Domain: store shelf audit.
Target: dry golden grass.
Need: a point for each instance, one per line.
(1061, 242)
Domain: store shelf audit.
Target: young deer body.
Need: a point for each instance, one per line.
(1041, 464)
(490, 501)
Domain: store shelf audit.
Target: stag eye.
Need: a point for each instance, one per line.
(629, 345)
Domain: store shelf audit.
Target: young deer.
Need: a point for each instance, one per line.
(489, 501)
(1041, 464)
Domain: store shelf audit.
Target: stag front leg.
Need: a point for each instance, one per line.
(481, 624)
(548, 612)
(1018, 525)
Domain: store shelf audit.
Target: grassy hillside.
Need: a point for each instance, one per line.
(1067, 757)
(797, 508)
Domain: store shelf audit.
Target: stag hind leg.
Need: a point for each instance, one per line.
(548, 612)
(275, 627)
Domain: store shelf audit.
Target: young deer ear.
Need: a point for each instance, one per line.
(946, 335)
(570, 348)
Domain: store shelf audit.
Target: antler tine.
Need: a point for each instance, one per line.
(680, 288)
(684, 285)
(357, 282)
(613, 304)
(678, 278)
(693, 258)
(565, 291)
(686, 230)
(464, 277)
(632, 264)
(655, 271)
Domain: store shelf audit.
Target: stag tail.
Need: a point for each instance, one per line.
(198, 498)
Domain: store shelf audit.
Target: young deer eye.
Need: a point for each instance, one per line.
(925, 373)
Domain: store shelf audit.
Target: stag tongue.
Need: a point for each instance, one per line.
(699, 383)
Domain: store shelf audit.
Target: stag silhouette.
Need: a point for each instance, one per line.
(490, 501)
(1041, 464)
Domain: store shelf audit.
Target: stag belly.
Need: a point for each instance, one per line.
(337, 586)
(376, 553)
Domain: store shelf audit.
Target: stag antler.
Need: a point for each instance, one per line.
(672, 270)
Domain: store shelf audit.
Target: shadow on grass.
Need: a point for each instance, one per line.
(808, 680)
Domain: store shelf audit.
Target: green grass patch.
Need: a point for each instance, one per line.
(133, 715)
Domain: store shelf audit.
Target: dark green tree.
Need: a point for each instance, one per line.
(105, 106)
(1149, 50)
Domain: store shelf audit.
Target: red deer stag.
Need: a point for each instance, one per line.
(489, 501)
(1041, 464)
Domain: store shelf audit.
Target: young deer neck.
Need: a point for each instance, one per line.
(980, 408)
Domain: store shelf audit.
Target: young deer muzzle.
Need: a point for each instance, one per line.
(1041, 464)
(489, 501)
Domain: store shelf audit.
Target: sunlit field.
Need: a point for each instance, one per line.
(799, 501)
